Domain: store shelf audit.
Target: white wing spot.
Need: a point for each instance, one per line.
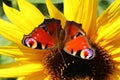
(84, 47)
(38, 34)
(35, 37)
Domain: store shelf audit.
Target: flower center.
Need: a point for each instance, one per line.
(98, 68)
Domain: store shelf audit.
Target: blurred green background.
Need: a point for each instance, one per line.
(40, 4)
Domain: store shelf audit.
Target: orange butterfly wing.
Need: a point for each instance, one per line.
(45, 36)
(76, 43)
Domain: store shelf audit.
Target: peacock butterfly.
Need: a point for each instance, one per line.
(50, 35)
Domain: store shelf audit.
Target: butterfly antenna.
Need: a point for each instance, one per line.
(63, 59)
(59, 52)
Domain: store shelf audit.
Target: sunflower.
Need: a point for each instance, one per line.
(37, 64)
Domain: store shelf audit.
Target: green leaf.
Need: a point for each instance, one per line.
(43, 1)
(1, 11)
(102, 5)
(7, 78)
(6, 59)
(4, 41)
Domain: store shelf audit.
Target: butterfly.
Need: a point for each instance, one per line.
(50, 35)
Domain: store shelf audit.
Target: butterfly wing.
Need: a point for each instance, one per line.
(76, 43)
(45, 36)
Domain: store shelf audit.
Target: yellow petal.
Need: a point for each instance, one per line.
(118, 66)
(115, 76)
(86, 14)
(18, 69)
(115, 51)
(11, 31)
(117, 59)
(109, 32)
(116, 72)
(34, 76)
(24, 53)
(30, 13)
(55, 13)
(17, 19)
(38, 77)
(20, 78)
(47, 78)
(12, 51)
(111, 13)
(108, 23)
(70, 8)
(113, 48)
(111, 44)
